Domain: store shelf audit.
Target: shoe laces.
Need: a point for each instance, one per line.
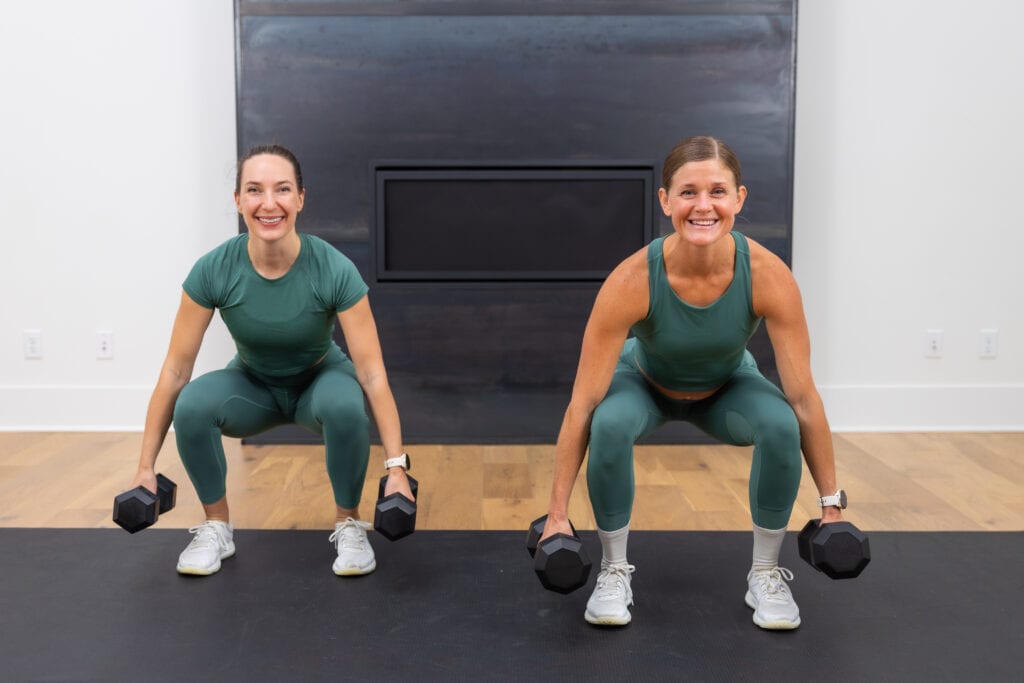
(772, 583)
(613, 582)
(350, 535)
(206, 536)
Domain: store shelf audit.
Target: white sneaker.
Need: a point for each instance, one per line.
(612, 596)
(770, 598)
(211, 544)
(355, 554)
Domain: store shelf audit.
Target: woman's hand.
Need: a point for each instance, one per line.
(398, 482)
(556, 525)
(145, 479)
(831, 514)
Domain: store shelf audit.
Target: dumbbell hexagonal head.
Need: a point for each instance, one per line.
(167, 492)
(136, 509)
(561, 563)
(803, 541)
(839, 549)
(395, 516)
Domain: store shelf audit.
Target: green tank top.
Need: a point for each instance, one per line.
(695, 348)
(283, 326)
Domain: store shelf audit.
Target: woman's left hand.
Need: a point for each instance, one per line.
(398, 482)
(831, 514)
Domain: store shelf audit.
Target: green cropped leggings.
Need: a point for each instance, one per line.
(238, 402)
(747, 410)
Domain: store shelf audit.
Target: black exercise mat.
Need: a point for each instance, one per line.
(103, 605)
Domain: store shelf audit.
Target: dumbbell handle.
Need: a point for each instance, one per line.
(413, 487)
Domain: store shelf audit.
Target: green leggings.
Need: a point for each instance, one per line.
(747, 410)
(238, 402)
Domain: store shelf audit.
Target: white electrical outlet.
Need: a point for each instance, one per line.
(33, 341)
(104, 344)
(988, 343)
(933, 343)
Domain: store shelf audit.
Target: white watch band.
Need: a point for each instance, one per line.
(836, 500)
(401, 461)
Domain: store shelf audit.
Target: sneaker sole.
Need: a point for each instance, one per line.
(204, 571)
(355, 571)
(779, 625)
(607, 621)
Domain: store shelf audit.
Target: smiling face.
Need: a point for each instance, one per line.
(702, 201)
(268, 197)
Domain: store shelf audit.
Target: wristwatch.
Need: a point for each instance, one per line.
(401, 461)
(836, 500)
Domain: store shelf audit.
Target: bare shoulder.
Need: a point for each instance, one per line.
(625, 293)
(772, 281)
(631, 273)
(765, 261)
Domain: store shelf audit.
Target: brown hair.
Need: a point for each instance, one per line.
(699, 148)
(276, 150)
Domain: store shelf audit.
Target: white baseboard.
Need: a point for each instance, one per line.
(984, 408)
(57, 408)
(960, 408)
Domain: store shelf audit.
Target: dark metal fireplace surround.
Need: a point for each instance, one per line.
(507, 221)
(486, 164)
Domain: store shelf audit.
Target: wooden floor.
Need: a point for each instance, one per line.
(897, 481)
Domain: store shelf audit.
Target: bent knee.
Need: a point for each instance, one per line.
(335, 410)
(195, 407)
(613, 429)
(783, 432)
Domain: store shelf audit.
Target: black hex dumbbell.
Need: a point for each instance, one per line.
(395, 515)
(139, 508)
(560, 561)
(839, 549)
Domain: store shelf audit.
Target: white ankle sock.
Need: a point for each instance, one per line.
(767, 546)
(613, 546)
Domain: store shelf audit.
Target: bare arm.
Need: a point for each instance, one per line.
(622, 301)
(190, 326)
(360, 330)
(777, 298)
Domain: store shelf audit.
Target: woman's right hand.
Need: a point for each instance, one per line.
(556, 526)
(144, 478)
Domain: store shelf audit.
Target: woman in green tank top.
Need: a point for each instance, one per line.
(692, 300)
(280, 294)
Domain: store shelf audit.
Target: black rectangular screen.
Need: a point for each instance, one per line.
(510, 224)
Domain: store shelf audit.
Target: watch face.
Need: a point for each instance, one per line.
(842, 499)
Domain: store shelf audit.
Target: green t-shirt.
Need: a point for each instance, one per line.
(284, 326)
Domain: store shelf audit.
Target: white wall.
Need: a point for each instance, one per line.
(119, 143)
(908, 164)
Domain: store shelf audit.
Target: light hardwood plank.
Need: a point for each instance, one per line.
(897, 481)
